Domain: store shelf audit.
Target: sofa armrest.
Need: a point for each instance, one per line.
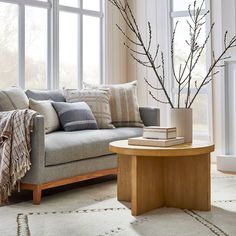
(150, 116)
(37, 151)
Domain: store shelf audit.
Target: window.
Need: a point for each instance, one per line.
(80, 52)
(201, 106)
(35, 47)
(91, 53)
(68, 49)
(8, 45)
(46, 44)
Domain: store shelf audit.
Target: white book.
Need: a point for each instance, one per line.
(140, 141)
(159, 128)
(159, 135)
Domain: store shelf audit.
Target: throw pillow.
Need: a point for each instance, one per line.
(75, 116)
(97, 100)
(123, 104)
(12, 99)
(54, 95)
(45, 108)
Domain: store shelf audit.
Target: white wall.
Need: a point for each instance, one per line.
(156, 12)
(224, 16)
(116, 54)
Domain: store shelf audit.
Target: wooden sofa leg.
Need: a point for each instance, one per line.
(37, 194)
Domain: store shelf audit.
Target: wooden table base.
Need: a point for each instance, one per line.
(156, 181)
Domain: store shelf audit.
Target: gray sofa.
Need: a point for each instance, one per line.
(61, 158)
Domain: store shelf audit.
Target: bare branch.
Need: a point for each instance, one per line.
(163, 67)
(225, 39)
(172, 51)
(204, 15)
(137, 45)
(213, 74)
(156, 99)
(135, 51)
(214, 64)
(151, 86)
(220, 66)
(139, 61)
(196, 84)
(156, 54)
(225, 58)
(132, 41)
(213, 55)
(150, 36)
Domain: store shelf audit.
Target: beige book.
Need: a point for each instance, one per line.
(140, 141)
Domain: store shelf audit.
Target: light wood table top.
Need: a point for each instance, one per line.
(187, 149)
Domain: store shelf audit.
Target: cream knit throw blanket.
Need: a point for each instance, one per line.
(15, 128)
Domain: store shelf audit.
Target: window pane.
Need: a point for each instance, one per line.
(91, 49)
(182, 5)
(35, 48)
(68, 50)
(200, 114)
(70, 3)
(8, 45)
(182, 51)
(93, 5)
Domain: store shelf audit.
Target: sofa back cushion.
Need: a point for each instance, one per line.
(98, 102)
(75, 116)
(54, 95)
(45, 108)
(12, 99)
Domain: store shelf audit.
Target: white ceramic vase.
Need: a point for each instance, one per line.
(181, 118)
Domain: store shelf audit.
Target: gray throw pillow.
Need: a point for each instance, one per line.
(75, 116)
(54, 95)
(98, 101)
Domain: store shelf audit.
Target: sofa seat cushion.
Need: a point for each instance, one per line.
(64, 147)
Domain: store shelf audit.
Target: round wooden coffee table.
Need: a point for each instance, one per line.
(153, 177)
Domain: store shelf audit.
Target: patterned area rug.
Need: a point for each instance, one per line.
(108, 217)
(103, 221)
(94, 211)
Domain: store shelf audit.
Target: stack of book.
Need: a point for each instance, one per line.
(157, 136)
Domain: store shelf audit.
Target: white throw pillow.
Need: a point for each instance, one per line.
(46, 109)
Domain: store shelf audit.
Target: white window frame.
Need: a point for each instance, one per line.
(53, 9)
(206, 90)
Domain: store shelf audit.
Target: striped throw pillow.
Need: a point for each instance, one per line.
(75, 116)
(98, 101)
(123, 104)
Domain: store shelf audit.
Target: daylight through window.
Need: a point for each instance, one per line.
(201, 107)
(46, 44)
